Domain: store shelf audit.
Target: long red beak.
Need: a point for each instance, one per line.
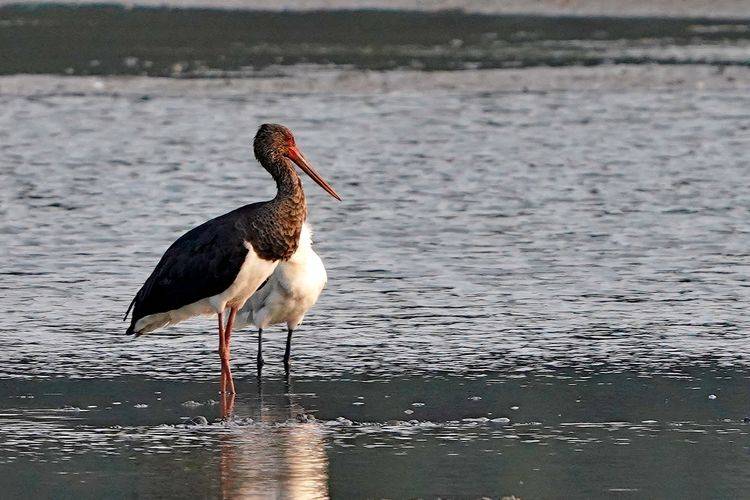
(294, 155)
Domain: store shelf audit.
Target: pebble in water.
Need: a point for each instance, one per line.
(304, 418)
(199, 420)
(500, 420)
(479, 420)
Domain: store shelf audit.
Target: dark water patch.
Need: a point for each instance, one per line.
(708, 394)
(430, 436)
(108, 40)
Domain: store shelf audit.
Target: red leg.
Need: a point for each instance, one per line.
(222, 355)
(227, 336)
(230, 324)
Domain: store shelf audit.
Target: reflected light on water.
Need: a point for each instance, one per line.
(276, 456)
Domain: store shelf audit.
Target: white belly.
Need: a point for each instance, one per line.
(253, 272)
(291, 291)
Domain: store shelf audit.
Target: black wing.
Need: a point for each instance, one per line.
(201, 263)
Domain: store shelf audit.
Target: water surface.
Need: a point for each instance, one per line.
(531, 293)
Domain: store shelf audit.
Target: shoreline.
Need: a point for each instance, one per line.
(720, 9)
(343, 80)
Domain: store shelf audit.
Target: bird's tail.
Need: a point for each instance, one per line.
(132, 303)
(131, 328)
(148, 324)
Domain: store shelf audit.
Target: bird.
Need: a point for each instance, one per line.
(219, 264)
(287, 295)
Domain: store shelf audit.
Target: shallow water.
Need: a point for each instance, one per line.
(480, 231)
(536, 437)
(540, 294)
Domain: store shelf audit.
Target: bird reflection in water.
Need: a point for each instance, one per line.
(279, 454)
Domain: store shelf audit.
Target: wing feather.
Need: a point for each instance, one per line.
(201, 263)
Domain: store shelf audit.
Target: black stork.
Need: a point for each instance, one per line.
(222, 262)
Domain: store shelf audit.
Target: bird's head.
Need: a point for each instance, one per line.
(274, 142)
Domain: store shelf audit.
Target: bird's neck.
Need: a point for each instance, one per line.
(288, 209)
(290, 198)
(288, 183)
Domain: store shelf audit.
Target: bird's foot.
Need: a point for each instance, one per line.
(227, 406)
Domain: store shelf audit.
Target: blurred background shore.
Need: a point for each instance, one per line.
(657, 8)
(216, 43)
